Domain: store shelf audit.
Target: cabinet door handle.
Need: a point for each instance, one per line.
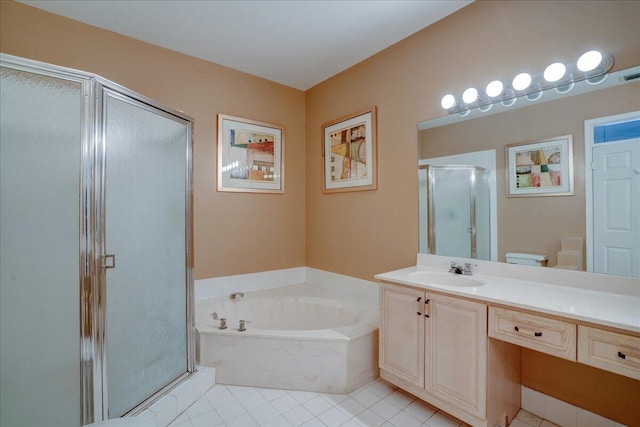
(426, 308)
(418, 300)
(535, 334)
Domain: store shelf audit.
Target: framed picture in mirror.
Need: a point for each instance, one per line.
(541, 168)
(349, 153)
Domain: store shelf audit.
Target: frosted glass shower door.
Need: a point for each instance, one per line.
(144, 190)
(40, 179)
(450, 211)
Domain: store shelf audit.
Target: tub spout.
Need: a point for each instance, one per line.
(236, 295)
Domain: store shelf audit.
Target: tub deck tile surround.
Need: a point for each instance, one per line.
(217, 287)
(304, 337)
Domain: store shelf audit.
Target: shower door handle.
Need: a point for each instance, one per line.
(109, 261)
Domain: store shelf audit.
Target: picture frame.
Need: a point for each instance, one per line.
(349, 151)
(541, 168)
(250, 156)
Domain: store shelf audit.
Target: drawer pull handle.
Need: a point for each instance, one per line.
(535, 334)
(631, 359)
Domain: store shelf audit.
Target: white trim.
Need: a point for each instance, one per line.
(560, 412)
(589, 144)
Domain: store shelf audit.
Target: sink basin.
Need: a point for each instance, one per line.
(444, 279)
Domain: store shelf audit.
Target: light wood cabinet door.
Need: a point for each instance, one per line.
(456, 349)
(402, 332)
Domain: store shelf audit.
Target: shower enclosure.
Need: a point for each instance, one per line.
(96, 256)
(456, 221)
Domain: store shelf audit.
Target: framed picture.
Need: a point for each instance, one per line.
(250, 156)
(349, 153)
(541, 168)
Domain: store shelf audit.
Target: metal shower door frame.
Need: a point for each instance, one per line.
(104, 88)
(431, 223)
(92, 280)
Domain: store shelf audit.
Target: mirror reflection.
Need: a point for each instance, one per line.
(597, 228)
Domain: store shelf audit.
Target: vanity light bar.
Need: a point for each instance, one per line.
(592, 66)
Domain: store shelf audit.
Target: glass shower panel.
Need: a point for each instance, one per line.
(450, 206)
(145, 193)
(40, 154)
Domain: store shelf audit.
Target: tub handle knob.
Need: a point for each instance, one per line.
(242, 326)
(223, 323)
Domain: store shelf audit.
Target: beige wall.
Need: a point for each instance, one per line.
(534, 224)
(364, 233)
(234, 232)
(359, 233)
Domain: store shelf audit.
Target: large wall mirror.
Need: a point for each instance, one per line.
(538, 223)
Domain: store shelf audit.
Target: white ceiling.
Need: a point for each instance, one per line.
(297, 43)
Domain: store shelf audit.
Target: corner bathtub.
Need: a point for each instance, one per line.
(298, 337)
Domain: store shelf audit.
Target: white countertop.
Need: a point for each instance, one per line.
(588, 305)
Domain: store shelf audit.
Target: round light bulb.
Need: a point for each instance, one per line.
(521, 81)
(470, 95)
(494, 88)
(555, 72)
(448, 101)
(589, 61)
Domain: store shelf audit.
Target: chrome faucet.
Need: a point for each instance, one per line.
(459, 269)
(236, 295)
(455, 268)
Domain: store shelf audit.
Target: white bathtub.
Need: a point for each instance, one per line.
(298, 337)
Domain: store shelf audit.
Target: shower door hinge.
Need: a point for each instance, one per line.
(109, 261)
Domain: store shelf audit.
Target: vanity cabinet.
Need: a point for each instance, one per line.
(436, 347)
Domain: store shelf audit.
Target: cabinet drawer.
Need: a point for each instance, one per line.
(610, 351)
(539, 333)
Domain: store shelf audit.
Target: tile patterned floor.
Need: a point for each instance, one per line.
(376, 404)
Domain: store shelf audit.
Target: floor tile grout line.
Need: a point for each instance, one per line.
(236, 394)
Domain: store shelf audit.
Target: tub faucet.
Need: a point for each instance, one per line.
(223, 323)
(236, 295)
